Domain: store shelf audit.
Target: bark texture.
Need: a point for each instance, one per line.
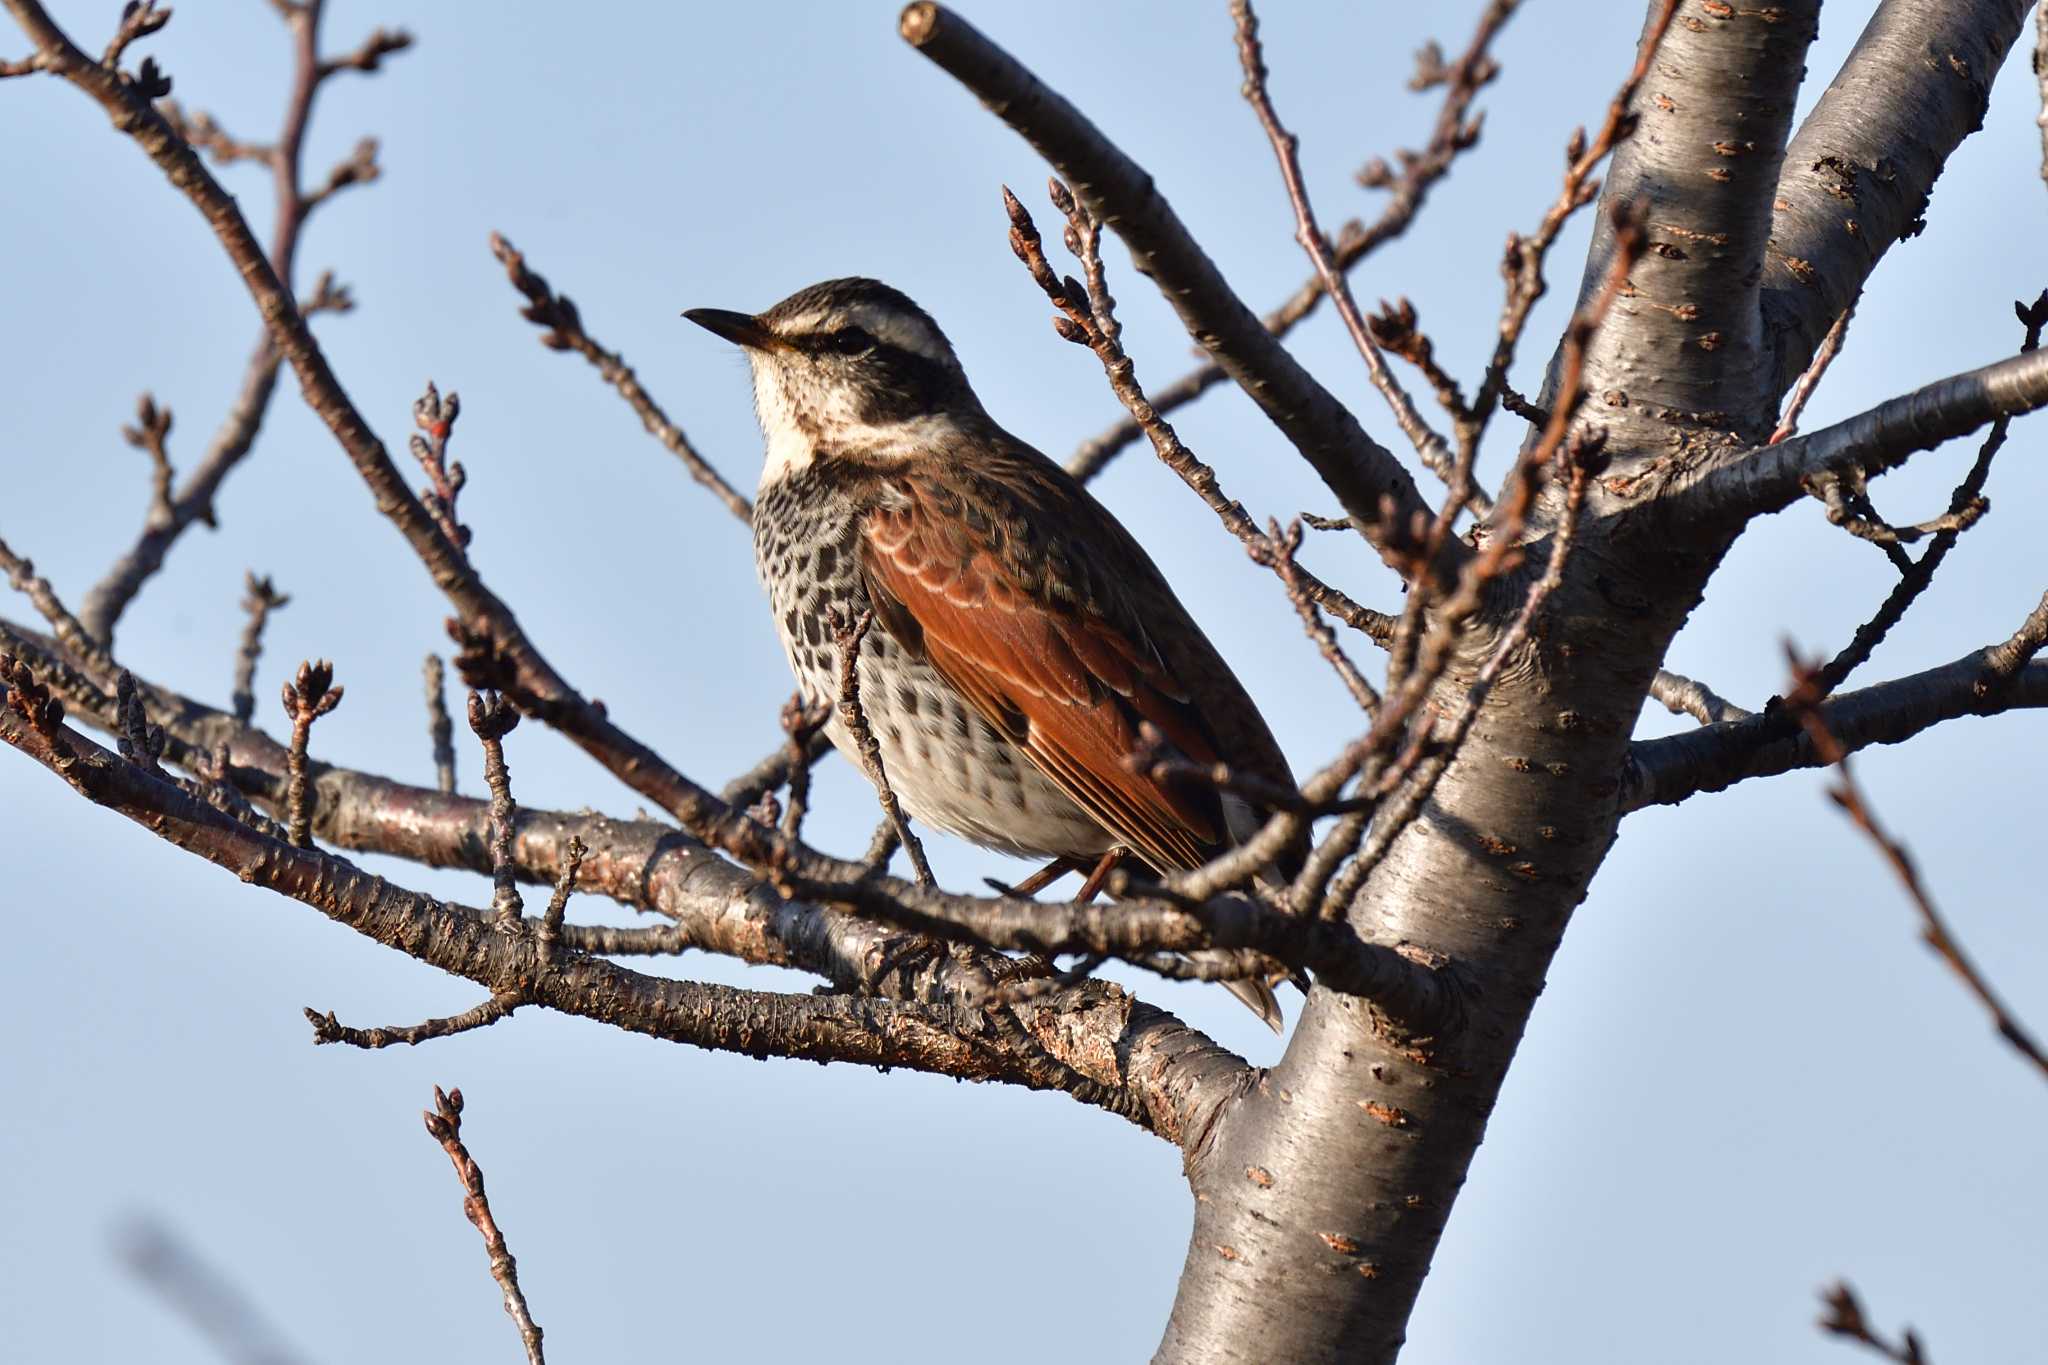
(1729, 245)
(1857, 177)
(1367, 1130)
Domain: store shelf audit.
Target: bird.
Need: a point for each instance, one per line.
(1024, 650)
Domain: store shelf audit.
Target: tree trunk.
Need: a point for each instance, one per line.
(1321, 1197)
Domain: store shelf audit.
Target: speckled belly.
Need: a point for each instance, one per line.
(950, 768)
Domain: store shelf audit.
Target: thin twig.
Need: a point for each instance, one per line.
(2041, 75)
(802, 724)
(444, 1125)
(1854, 514)
(327, 1029)
(1519, 405)
(492, 717)
(847, 636)
(440, 729)
(328, 297)
(359, 167)
(307, 697)
(882, 846)
(142, 742)
(370, 56)
(1969, 494)
(772, 771)
(2003, 661)
(139, 18)
(1374, 488)
(1429, 445)
(150, 434)
(171, 517)
(260, 597)
(558, 902)
(1309, 892)
(1523, 265)
(1282, 545)
(1088, 318)
(1803, 699)
(1824, 356)
(1844, 1318)
(1452, 133)
(90, 653)
(435, 417)
(564, 332)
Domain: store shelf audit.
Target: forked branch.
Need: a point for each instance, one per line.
(1773, 477)
(1374, 490)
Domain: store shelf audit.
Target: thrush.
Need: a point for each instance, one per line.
(1025, 649)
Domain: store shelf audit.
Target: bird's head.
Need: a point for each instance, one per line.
(849, 368)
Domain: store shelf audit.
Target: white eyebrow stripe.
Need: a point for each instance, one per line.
(904, 330)
(802, 323)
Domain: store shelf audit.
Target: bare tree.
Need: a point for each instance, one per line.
(1454, 833)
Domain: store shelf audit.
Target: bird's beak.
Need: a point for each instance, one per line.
(742, 329)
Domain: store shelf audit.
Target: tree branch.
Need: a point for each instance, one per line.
(1157, 920)
(499, 1005)
(444, 1125)
(496, 651)
(1173, 1074)
(847, 636)
(440, 729)
(1088, 318)
(1802, 701)
(1771, 478)
(260, 597)
(1375, 491)
(1430, 446)
(1715, 111)
(1452, 133)
(563, 325)
(1966, 506)
(945, 1040)
(2041, 75)
(1857, 174)
(1682, 696)
(170, 517)
(1845, 1319)
(1666, 771)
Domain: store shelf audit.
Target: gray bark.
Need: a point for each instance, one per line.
(1321, 1201)
(1858, 175)
(1321, 1187)
(1367, 1132)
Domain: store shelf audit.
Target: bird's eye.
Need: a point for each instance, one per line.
(848, 341)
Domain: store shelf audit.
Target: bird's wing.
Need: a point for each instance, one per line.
(975, 576)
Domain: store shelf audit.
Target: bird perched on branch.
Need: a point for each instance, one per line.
(1029, 664)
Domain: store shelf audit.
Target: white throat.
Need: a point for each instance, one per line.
(790, 448)
(793, 425)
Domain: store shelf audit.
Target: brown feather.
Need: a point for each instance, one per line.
(994, 576)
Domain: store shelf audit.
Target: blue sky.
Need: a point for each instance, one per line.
(1745, 1078)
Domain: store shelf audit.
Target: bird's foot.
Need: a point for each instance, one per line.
(1037, 881)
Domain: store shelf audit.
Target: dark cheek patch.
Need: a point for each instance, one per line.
(896, 385)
